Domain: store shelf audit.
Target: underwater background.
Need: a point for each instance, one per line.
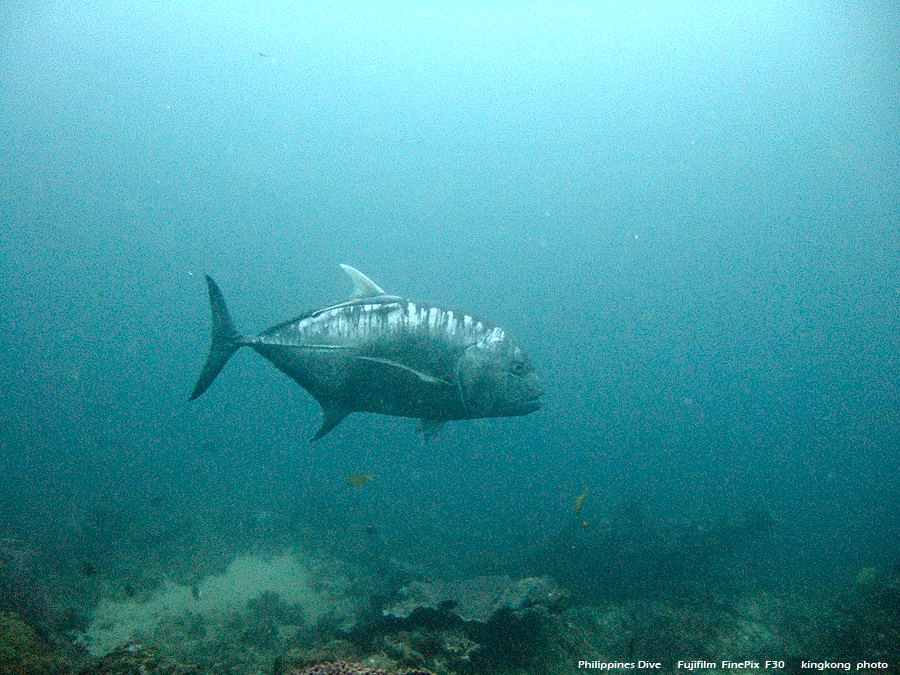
(687, 213)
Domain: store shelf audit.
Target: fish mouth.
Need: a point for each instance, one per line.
(525, 406)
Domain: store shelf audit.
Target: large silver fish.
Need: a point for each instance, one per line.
(385, 354)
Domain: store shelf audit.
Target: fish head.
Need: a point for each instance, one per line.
(498, 382)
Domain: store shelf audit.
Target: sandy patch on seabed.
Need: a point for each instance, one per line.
(116, 622)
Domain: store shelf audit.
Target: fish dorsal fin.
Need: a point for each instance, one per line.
(363, 286)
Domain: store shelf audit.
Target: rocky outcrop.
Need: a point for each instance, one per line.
(476, 600)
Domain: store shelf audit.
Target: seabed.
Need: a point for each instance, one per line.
(278, 602)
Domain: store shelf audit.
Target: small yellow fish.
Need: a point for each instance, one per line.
(579, 503)
(357, 480)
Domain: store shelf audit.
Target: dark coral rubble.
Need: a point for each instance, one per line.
(138, 659)
(21, 590)
(25, 652)
(346, 668)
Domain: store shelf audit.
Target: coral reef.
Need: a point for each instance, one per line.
(301, 614)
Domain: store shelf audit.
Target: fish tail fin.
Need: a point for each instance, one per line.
(225, 339)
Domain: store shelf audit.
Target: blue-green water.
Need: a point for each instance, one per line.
(689, 215)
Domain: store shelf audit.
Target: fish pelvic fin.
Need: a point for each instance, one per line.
(332, 415)
(430, 429)
(224, 342)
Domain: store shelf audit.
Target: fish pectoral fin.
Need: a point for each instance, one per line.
(425, 377)
(332, 415)
(430, 428)
(363, 286)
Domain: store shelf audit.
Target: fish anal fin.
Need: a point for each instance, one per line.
(332, 415)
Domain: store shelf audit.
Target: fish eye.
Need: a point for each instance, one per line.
(518, 368)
